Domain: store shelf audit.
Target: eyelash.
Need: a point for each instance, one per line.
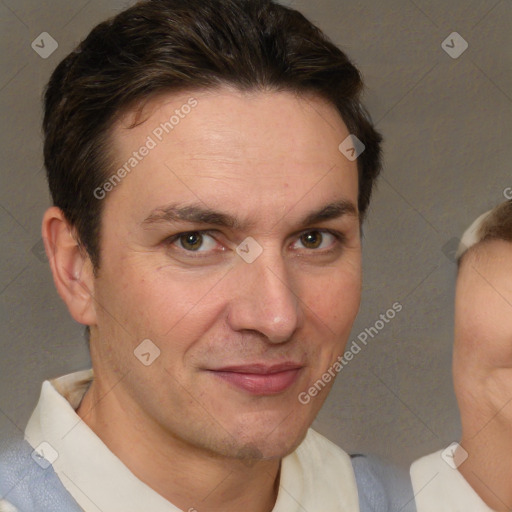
(339, 237)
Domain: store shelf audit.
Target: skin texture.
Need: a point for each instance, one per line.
(482, 369)
(269, 159)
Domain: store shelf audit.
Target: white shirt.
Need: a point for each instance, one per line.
(317, 476)
(440, 488)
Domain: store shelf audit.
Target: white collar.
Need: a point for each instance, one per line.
(317, 476)
(437, 486)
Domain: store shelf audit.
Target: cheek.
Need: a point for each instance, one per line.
(335, 300)
(149, 302)
(168, 303)
(483, 331)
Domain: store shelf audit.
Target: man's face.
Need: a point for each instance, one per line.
(483, 330)
(239, 337)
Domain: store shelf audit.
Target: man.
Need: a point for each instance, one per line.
(475, 475)
(210, 166)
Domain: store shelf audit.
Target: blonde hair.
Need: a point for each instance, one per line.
(496, 224)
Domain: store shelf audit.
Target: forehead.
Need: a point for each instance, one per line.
(221, 143)
(280, 120)
(488, 260)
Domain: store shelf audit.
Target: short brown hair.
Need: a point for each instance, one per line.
(496, 224)
(174, 45)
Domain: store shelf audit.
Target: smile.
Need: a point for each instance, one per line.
(260, 379)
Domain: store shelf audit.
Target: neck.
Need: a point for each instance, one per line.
(185, 475)
(487, 437)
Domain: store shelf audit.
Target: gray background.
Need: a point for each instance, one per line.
(447, 125)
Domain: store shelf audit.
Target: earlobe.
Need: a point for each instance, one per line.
(70, 265)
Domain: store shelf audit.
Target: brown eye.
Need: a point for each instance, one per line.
(201, 242)
(319, 241)
(191, 241)
(312, 239)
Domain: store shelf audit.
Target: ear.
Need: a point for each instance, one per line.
(70, 265)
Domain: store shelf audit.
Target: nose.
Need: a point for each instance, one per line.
(264, 300)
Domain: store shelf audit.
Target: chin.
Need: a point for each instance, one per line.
(271, 444)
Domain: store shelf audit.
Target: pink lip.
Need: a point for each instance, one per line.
(260, 379)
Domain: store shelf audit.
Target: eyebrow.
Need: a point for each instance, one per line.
(197, 213)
